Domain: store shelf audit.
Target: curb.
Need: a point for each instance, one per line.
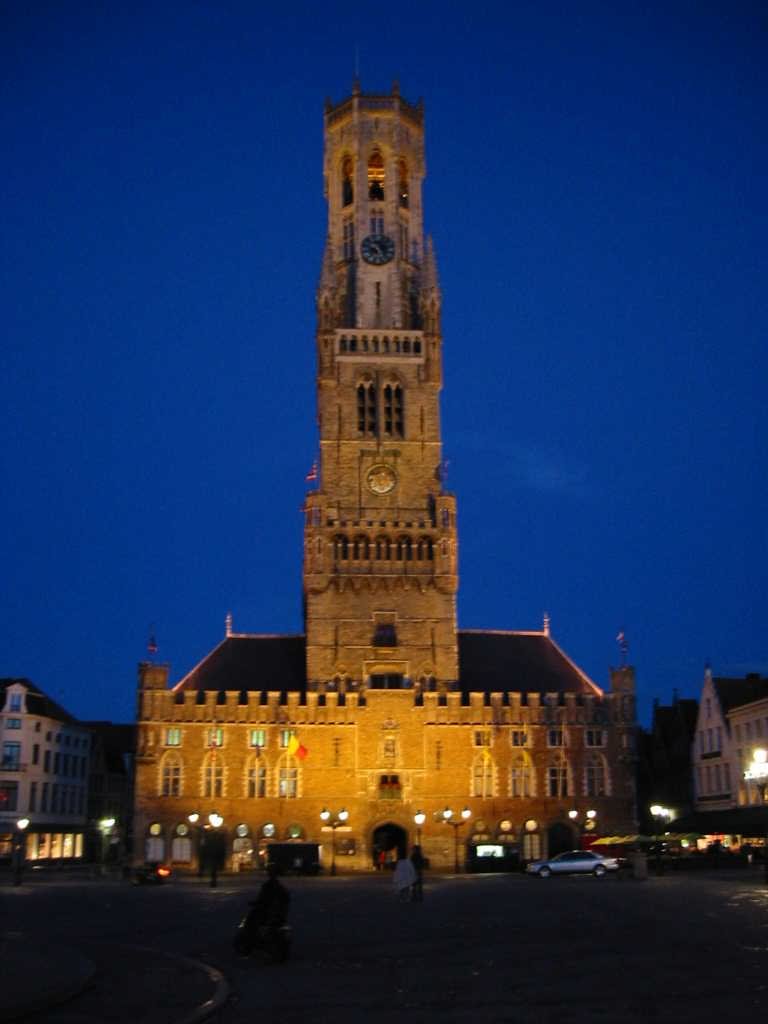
(217, 979)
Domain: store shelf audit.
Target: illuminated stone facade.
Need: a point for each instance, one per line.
(382, 707)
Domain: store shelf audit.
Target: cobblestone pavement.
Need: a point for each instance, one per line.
(479, 948)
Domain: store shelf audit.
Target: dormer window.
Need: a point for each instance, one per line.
(347, 188)
(376, 177)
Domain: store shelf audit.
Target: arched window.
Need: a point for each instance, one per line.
(382, 548)
(340, 547)
(170, 776)
(404, 549)
(287, 778)
(557, 777)
(367, 423)
(213, 777)
(393, 410)
(360, 547)
(256, 778)
(376, 176)
(427, 682)
(595, 776)
(402, 184)
(347, 188)
(425, 549)
(482, 775)
(521, 777)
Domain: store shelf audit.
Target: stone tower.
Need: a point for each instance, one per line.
(380, 542)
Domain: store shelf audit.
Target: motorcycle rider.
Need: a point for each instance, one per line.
(271, 905)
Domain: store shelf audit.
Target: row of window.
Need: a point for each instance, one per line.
(381, 346)
(376, 178)
(384, 549)
(54, 798)
(72, 765)
(713, 779)
(557, 779)
(61, 738)
(380, 411)
(385, 636)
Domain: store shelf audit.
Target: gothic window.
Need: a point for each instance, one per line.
(594, 777)
(404, 549)
(288, 781)
(387, 682)
(482, 776)
(360, 547)
(347, 188)
(382, 548)
(402, 184)
(170, 784)
(340, 547)
(428, 682)
(393, 410)
(377, 222)
(367, 422)
(348, 239)
(213, 778)
(376, 176)
(557, 778)
(425, 550)
(404, 239)
(521, 777)
(256, 780)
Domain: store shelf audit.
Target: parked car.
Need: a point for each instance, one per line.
(581, 862)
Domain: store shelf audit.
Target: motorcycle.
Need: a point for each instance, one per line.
(273, 940)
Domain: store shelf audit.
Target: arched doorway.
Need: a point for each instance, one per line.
(390, 840)
(559, 838)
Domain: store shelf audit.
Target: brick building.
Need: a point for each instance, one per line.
(382, 708)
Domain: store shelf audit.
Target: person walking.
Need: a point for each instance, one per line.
(403, 879)
(417, 889)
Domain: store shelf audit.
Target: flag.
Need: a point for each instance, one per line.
(621, 640)
(312, 474)
(293, 744)
(301, 752)
(152, 644)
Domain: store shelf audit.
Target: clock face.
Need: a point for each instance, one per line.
(378, 249)
(381, 479)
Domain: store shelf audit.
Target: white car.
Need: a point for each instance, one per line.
(574, 862)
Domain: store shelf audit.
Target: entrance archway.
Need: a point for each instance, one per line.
(392, 841)
(559, 838)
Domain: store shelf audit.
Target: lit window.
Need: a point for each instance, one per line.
(257, 781)
(482, 777)
(173, 737)
(286, 735)
(171, 777)
(376, 177)
(257, 738)
(288, 782)
(215, 737)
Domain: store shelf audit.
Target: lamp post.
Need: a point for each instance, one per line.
(456, 823)
(587, 824)
(105, 827)
(333, 821)
(215, 844)
(661, 815)
(758, 773)
(418, 819)
(19, 850)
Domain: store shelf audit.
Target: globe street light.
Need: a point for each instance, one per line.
(19, 850)
(661, 815)
(456, 824)
(333, 822)
(105, 827)
(757, 772)
(586, 825)
(418, 819)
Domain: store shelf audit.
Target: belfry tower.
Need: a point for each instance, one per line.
(380, 542)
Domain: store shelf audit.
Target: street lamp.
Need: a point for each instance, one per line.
(456, 824)
(333, 822)
(215, 846)
(758, 773)
(418, 819)
(586, 825)
(194, 821)
(19, 850)
(105, 827)
(661, 815)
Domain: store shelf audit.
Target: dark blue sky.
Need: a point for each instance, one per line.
(597, 194)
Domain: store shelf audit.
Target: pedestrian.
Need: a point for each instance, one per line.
(403, 879)
(417, 889)
(382, 860)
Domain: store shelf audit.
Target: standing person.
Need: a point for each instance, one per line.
(417, 889)
(403, 878)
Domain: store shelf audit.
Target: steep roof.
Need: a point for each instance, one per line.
(733, 693)
(38, 703)
(489, 661)
(496, 660)
(244, 662)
